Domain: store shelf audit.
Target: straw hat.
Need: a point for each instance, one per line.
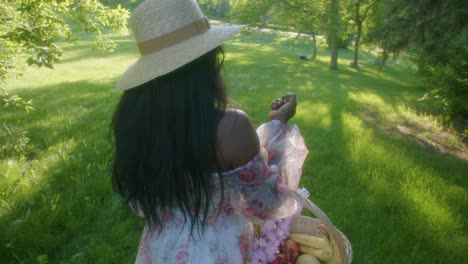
(170, 34)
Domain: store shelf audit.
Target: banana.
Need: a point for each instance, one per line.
(322, 254)
(310, 241)
(307, 259)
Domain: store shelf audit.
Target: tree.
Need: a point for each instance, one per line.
(302, 15)
(306, 17)
(128, 4)
(376, 34)
(334, 22)
(31, 29)
(217, 8)
(316, 16)
(360, 11)
(222, 8)
(435, 33)
(252, 12)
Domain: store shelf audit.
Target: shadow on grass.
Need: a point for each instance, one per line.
(408, 197)
(391, 216)
(380, 206)
(290, 73)
(63, 110)
(74, 216)
(84, 47)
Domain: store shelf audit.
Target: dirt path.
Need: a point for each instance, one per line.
(267, 30)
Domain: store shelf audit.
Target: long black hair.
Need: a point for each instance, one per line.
(165, 134)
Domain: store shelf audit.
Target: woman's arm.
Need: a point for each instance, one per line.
(269, 169)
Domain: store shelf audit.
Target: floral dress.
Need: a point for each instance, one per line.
(253, 193)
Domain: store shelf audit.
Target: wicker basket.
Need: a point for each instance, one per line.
(321, 227)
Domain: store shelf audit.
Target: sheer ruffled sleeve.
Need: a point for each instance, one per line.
(260, 188)
(286, 149)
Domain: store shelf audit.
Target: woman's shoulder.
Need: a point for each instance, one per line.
(237, 140)
(235, 118)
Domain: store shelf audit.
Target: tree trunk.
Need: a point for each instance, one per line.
(357, 19)
(264, 20)
(384, 59)
(314, 46)
(211, 5)
(220, 8)
(356, 44)
(334, 34)
(334, 54)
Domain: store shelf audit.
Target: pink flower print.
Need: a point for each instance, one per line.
(257, 204)
(244, 243)
(270, 253)
(260, 243)
(152, 231)
(263, 214)
(255, 185)
(258, 256)
(223, 260)
(265, 172)
(182, 257)
(217, 222)
(178, 222)
(282, 184)
(225, 206)
(269, 226)
(247, 175)
(249, 212)
(145, 251)
(166, 216)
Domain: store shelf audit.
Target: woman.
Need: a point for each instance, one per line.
(198, 172)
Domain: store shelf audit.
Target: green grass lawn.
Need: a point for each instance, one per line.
(396, 198)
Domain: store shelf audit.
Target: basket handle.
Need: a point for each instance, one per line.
(342, 243)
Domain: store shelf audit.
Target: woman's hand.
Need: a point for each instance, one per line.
(284, 108)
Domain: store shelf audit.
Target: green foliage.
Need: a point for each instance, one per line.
(32, 29)
(254, 13)
(359, 11)
(129, 4)
(8, 49)
(15, 101)
(304, 16)
(216, 8)
(42, 259)
(447, 78)
(300, 15)
(435, 33)
(14, 142)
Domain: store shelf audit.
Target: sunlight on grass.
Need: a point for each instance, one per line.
(368, 99)
(318, 114)
(397, 200)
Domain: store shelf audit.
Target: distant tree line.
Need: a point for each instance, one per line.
(128, 4)
(433, 33)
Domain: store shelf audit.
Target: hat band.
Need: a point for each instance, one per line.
(175, 37)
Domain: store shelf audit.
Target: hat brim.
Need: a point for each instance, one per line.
(153, 65)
